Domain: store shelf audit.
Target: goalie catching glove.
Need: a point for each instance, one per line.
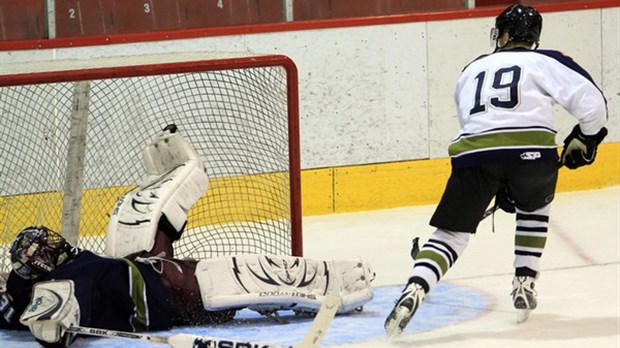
(51, 311)
(580, 149)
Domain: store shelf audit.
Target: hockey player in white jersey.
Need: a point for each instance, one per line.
(504, 102)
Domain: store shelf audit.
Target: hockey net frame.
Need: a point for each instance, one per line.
(260, 226)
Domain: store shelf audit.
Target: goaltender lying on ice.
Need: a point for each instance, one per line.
(139, 285)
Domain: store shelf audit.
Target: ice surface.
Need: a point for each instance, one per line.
(578, 290)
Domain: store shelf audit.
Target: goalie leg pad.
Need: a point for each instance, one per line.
(175, 179)
(135, 218)
(266, 282)
(52, 310)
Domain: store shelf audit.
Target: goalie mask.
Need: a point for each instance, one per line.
(37, 251)
(522, 23)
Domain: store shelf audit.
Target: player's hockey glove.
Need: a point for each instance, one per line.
(51, 311)
(580, 149)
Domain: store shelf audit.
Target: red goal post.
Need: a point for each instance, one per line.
(73, 132)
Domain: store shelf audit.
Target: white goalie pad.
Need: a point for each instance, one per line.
(266, 282)
(166, 152)
(175, 180)
(52, 310)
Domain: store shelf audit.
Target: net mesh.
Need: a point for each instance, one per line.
(237, 120)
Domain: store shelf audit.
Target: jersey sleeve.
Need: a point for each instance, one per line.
(574, 89)
(14, 301)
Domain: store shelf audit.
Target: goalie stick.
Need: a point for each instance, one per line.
(175, 341)
(313, 336)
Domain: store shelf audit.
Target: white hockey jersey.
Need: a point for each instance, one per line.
(505, 104)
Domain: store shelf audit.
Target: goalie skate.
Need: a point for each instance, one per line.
(405, 308)
(523, 297)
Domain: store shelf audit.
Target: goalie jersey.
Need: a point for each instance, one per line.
(115, 294)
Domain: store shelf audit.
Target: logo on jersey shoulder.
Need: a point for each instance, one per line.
(530, 155)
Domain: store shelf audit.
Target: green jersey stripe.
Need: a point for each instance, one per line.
(493, 141)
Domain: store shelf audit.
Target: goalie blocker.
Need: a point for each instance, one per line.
(52, 310)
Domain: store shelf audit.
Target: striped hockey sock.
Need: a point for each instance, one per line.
(436, 257)
(530, 240)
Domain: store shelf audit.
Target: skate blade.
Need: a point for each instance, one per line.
(523, 315)
(393, 326)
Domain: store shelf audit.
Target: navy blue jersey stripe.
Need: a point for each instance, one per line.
(566, 61)
(571, 64)
(502, 155)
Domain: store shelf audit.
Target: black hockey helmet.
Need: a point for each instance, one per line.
(37, 251)
(522, 23)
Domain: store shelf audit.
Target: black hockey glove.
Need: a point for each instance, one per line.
(580, 149)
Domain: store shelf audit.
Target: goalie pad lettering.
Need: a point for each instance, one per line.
(265, 282)
(52, 310)
(175, 180)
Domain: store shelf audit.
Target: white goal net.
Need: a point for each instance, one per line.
(72, 134)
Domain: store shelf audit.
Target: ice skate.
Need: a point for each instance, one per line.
(405, 308)
(523, 297)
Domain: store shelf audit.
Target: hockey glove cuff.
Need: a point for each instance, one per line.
(580, 149)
